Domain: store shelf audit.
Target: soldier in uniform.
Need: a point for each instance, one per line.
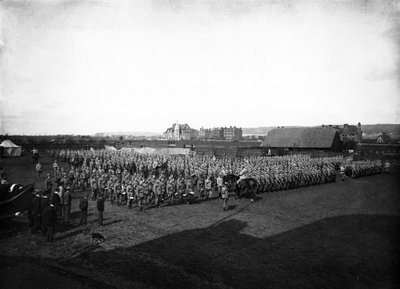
(51, 220)
(100, 210)
(115, 192)
(131, 197)
(224, 196)
(181, 189)
(83, 179)
(386, 167)
(157, 192)
(163, 185)
(140, 195)
(171, 190)
(48, 183)
(83, 206)
(208, 187)
(200, 188)
(220, 184)
(39, 170)
(55, 169)
(342, 172)
(36, 212)
(189, 189)
(55, 199)
(147, 192)
(94, 187)
(67, 204)
(44, 202)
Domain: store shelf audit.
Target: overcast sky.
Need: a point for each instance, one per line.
(82, 68)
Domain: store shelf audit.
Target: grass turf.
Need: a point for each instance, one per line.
(341, 235)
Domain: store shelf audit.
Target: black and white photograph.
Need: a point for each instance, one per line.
(212, 144)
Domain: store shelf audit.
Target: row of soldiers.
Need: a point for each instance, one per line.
(146, 165)
(357, 169)
(125, 177)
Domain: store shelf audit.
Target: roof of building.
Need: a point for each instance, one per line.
(185, 126)
(385, 137)
(303, 137)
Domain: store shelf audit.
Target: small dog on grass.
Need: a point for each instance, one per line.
(97, 237)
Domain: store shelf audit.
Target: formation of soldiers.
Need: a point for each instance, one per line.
(362, 168)
(140, 180)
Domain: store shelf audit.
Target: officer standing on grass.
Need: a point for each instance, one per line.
(44, 203)
(67, 204)
(36, 213)
(220, 184)
(208, 188)
(39, 169)
(83, 206)
(100, 210)
(48, 183)
(224, 196)
(51, 220)
(386, 167)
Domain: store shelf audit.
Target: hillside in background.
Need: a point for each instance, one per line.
(391, 129)
(379, 128)
(130, 133)
(259, 130)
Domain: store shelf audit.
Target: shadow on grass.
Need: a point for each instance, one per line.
(11, 227)
(71, 234)
(356, 251)
(76, 215)
(112, 222)
(232, 207)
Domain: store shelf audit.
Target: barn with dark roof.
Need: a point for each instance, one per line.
(303, 139)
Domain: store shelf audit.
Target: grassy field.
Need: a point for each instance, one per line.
(341, 235)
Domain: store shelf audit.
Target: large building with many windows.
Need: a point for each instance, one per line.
(232, 133)
(204, 133)
(180, 132)
(221, 133)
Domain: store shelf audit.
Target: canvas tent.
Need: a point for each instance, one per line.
(10, 149)
(110, 148)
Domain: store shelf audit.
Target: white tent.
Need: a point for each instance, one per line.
(10, 149)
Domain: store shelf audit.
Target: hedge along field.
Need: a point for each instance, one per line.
(341, 235)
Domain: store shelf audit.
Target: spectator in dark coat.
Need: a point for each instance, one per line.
(55, 199)
(44, 203)
(35, 213)
(48, 183)
(51, 217)
(100, 210)
(83, 206)
(67, 204)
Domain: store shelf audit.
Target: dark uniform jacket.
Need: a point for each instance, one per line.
(55, 199)
(100, 204)
(67, 198)
(51, 216)
(83, 204)
(35, 209)
(44, 203)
